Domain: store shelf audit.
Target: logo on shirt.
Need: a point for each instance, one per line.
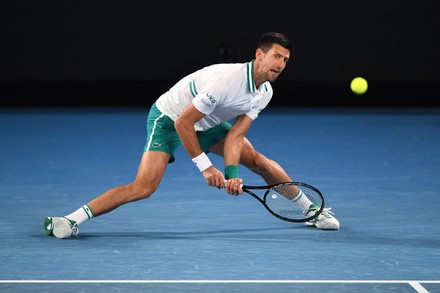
(210, 97)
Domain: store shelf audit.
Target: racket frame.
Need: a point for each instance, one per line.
(247, 189)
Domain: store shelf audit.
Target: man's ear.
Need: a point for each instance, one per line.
(258, 54)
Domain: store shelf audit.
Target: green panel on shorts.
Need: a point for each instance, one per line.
(163, 137)
(212, 136)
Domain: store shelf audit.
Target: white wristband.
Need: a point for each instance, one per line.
(202, 161)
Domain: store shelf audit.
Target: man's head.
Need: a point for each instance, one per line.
(273, 52)
(268, 39)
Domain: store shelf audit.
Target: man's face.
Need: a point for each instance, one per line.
(273, 62)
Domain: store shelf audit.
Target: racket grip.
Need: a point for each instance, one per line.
(241, 185)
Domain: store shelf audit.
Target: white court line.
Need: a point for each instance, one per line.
(413, 283)
(419, 288)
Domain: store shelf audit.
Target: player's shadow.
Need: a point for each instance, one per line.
(260, 234)
(270, 234)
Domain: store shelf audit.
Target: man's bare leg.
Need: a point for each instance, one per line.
(151, 170)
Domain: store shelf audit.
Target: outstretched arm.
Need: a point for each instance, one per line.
(185, 129)
(232, 150)
(234, 140)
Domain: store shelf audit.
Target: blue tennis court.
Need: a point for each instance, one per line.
(379, 170)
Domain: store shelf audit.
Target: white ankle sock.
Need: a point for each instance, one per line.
(302, 201)
(81, 214)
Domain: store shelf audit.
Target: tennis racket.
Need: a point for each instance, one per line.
(281, 200)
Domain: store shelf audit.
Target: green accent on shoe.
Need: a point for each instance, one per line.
(72, 222)
(313, 207)
(48, 226)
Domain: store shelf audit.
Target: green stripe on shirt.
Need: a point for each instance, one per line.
(250, 76)
(192, 88)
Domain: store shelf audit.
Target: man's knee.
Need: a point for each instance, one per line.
(258, 163)
(141, 190)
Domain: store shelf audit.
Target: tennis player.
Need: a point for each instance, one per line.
(194, 113)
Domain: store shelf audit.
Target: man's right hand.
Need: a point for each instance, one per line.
(234, 186)
(214, 177)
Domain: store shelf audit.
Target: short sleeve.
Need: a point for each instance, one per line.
(260, 102)
(206, 102)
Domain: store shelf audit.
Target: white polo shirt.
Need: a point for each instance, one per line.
(222, 92)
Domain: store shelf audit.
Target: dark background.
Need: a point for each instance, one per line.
(126, 53)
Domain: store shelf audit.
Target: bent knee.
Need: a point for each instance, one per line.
(140, 191)
(259, 164)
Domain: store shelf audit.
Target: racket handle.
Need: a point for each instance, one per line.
(224, 186)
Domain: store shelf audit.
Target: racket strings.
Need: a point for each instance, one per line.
(289, 191)
(282, 200)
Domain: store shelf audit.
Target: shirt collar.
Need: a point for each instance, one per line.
(250, 79)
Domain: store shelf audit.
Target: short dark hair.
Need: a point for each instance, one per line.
(268, 39)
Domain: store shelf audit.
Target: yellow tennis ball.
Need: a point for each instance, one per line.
(359, 85)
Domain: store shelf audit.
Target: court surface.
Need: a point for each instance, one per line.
(379, 170)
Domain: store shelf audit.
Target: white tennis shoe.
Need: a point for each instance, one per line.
(60, 227)
(325, 221)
